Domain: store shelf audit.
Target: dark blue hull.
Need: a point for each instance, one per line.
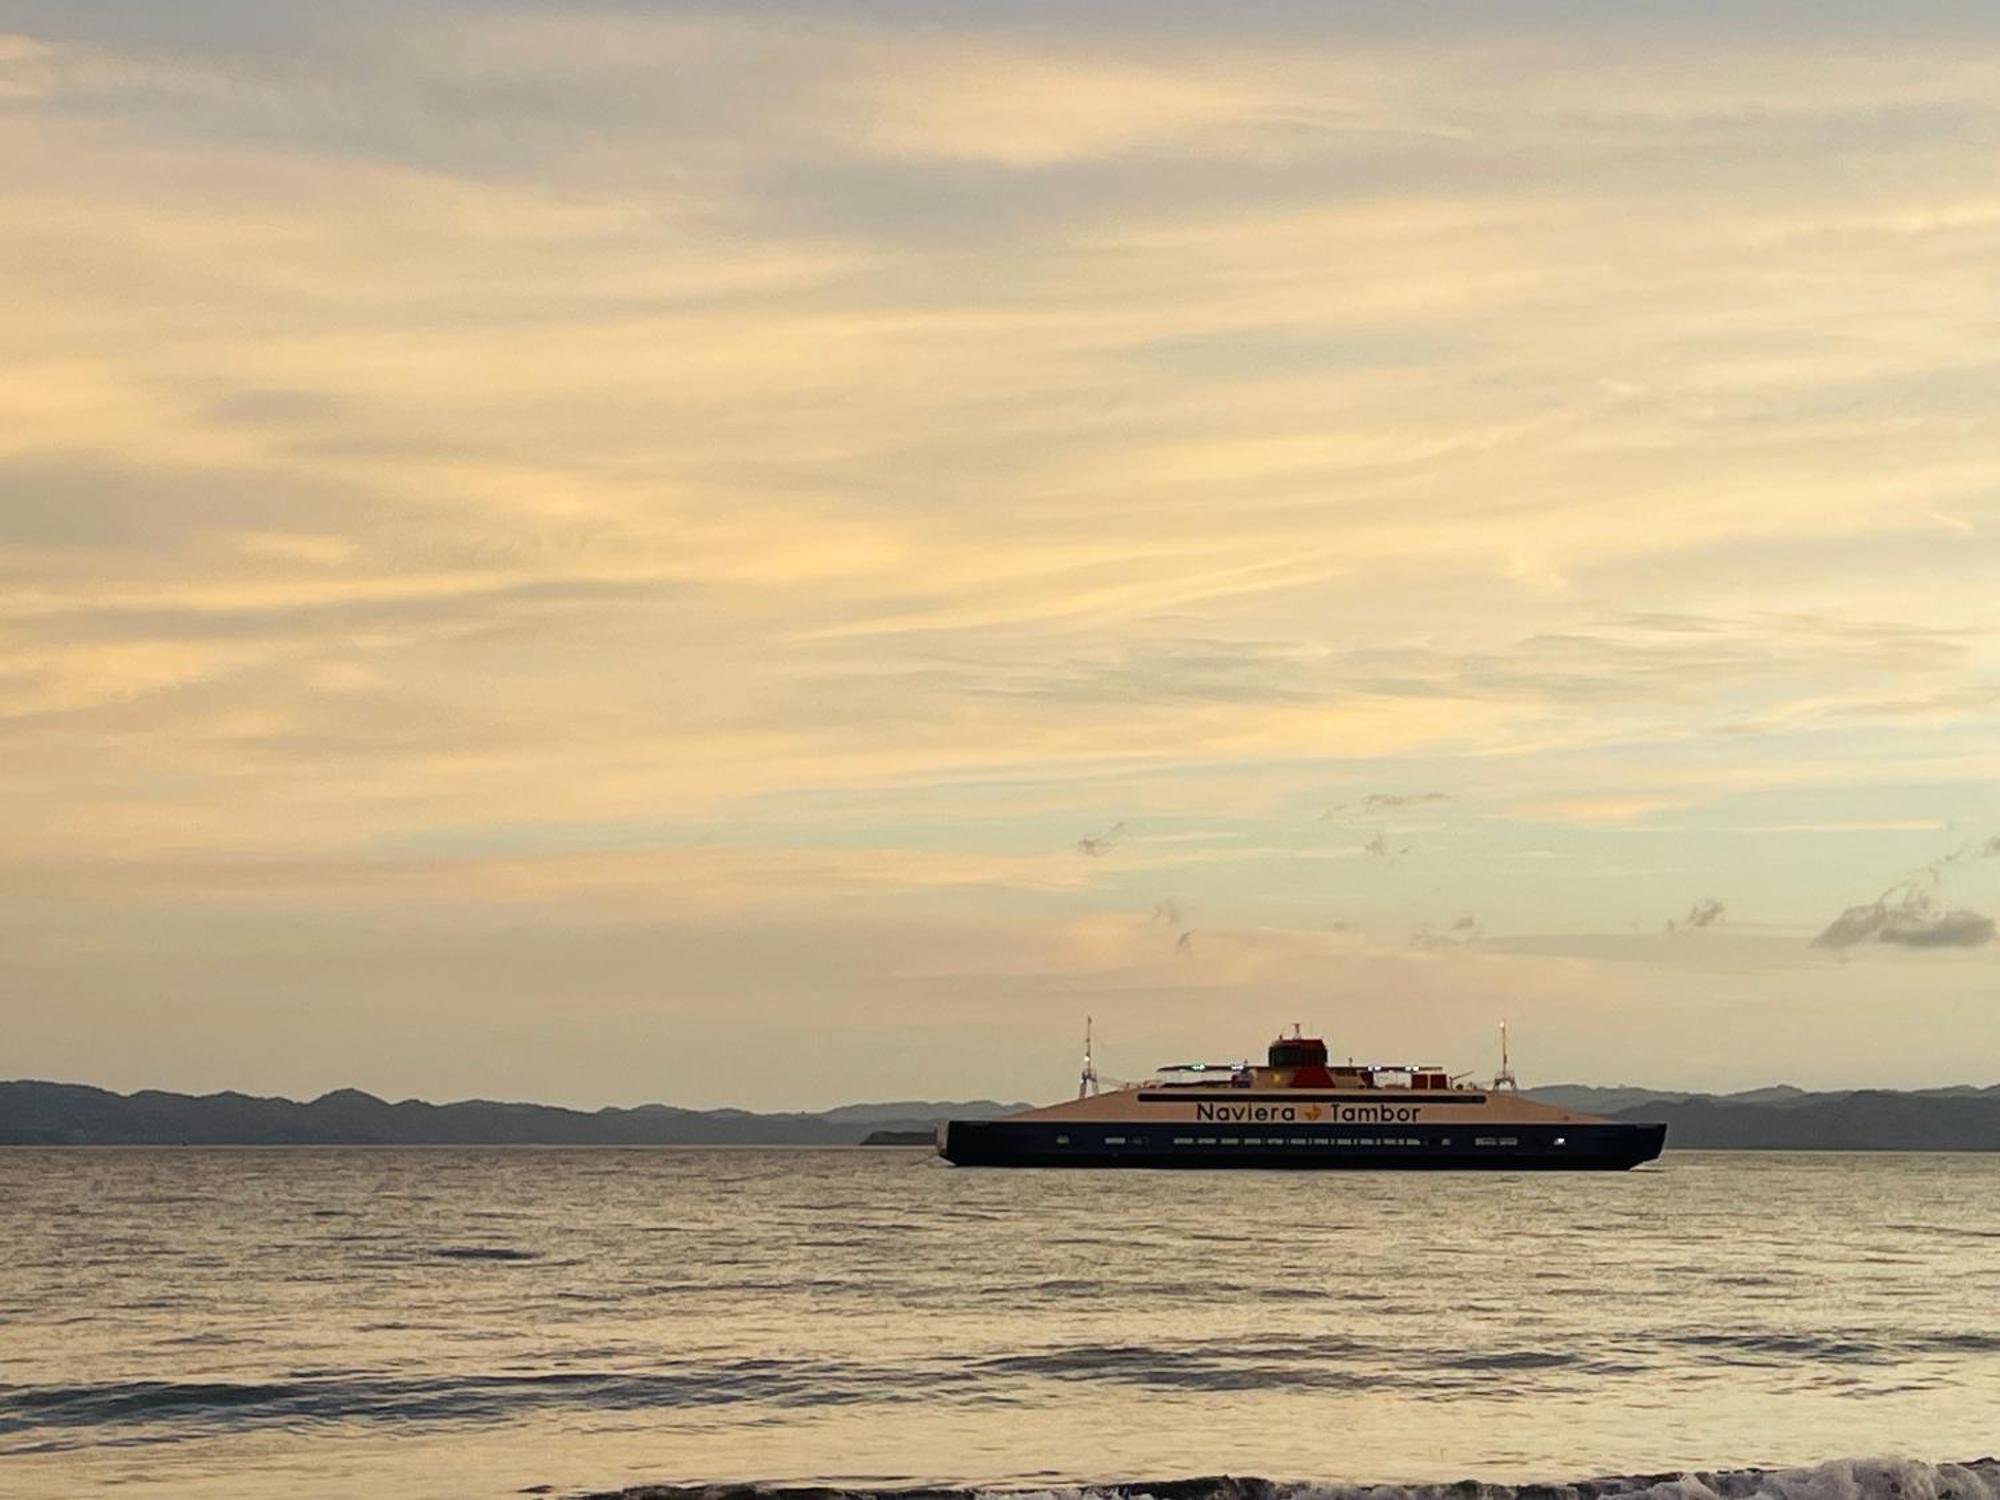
(1397, 1148)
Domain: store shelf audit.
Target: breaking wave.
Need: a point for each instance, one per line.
(1841, 1479)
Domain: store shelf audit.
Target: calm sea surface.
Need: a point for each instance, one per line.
(411, 1323)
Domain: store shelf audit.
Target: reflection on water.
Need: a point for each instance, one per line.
(470, 1322)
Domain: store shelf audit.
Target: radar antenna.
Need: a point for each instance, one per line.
(1087, 1084)
(1504, 1079)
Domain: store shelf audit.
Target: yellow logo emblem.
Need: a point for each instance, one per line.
(1311, 1111)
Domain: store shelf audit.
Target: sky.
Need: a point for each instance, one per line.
(778, 555)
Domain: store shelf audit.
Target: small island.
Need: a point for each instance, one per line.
(900, 1138)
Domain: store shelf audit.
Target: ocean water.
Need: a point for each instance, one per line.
(474, 1323)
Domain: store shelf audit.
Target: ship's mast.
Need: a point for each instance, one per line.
(1504, 1079)
(1087, 1084)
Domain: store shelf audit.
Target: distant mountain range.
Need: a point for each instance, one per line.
(1600, 1100)
(1858, 1120)
(1783, 1118)
(69, 1114)
(1964, 1118)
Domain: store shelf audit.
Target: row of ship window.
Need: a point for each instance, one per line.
(1320, 1140)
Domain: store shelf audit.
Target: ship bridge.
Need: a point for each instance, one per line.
(1299, 1061)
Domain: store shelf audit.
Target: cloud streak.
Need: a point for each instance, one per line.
(1707, 912)
(1463, 932)
(1907, 917)
(1097, 845)
(1391, 801)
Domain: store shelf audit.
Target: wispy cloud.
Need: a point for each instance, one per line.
(1909, 917)
(1463, 932)
(1098, 844)
(1390, 801)
(1706, 912)
(1376, 803)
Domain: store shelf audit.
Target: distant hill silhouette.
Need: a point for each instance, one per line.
(69, 1114)
(1865, 1120)
(1603, 1100)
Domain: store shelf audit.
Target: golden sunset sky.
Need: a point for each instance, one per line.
(778, 555)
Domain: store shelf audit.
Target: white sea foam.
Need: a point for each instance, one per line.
(1843, 1479)
(1840, 1479)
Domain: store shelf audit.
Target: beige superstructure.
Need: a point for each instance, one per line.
(1168, 1103)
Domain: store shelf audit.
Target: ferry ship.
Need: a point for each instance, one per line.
(1298, 1111)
